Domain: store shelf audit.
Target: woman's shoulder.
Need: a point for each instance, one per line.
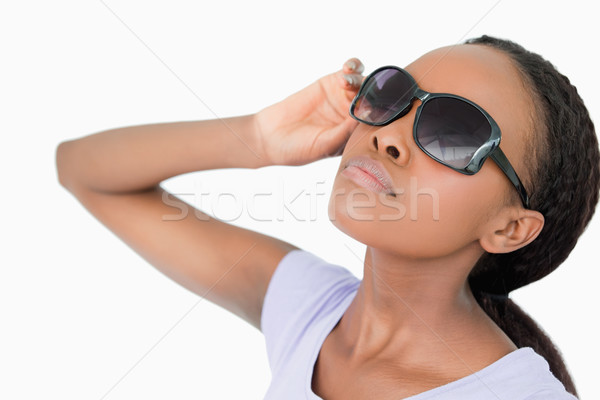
(304, 283)
(305, 295)
(520, 375)
(303, 270)
(525, 374)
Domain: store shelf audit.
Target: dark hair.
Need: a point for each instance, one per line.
(563, 184)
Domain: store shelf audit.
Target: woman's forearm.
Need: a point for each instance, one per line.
(139, 157)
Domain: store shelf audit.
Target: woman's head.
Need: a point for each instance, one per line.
(549, 138)
(439, 211)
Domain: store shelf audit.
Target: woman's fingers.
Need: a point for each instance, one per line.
(351, 75)
(353, 66)
(351, 81)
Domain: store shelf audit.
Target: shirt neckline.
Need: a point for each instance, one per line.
(339, 312)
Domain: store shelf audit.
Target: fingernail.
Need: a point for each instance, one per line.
(351, 64)
(349, 79)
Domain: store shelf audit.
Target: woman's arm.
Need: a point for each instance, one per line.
(140, 157)
(116, 174)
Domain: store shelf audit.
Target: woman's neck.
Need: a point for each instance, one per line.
(410, 308)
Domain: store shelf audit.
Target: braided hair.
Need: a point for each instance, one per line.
(563, 182)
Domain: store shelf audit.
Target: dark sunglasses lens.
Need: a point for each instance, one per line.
(383, 95)
(452, 130)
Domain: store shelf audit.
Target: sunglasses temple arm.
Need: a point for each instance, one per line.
(500, 158)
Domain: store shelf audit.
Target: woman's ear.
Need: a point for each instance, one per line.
(512, 231)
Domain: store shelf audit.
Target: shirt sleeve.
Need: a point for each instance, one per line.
(303, 288)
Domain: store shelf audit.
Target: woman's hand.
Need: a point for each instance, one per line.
(313, 123)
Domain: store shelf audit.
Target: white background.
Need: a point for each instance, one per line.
(84, 317)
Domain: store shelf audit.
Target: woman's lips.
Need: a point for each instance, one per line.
(369, 173)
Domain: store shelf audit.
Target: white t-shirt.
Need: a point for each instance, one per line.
(308, 296)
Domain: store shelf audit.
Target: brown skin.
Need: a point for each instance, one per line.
(413, 325)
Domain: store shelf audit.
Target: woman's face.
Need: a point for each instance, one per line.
(436, 210)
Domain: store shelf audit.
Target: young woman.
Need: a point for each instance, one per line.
(454, 219)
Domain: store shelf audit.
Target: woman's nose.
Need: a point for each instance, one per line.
(389, 141)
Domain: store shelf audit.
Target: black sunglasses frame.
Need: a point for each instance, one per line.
(491, 148)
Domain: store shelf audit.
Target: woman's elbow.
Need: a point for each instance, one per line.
(63, 165)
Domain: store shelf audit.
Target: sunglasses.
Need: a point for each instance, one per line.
(452, 130)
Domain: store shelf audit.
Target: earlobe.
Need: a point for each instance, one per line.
(513, 233)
